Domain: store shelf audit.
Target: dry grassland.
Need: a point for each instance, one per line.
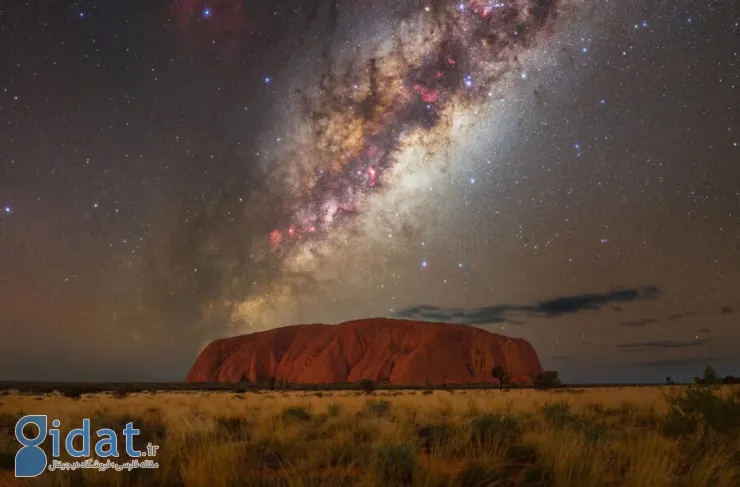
(649, 437)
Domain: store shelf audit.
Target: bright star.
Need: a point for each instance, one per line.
(461, 6)
(603, 101)
(268, 80)
(8, 210)
(424, 263)
(472, 180)
(207, 13)
(468, 81)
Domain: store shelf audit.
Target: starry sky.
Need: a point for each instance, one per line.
(564, 171)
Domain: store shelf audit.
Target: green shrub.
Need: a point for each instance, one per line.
(395, 464)
(558, 414)
(296, 412)
(333, 410)
(485, 429)
(477, 474)
(232, 426)
(702, 411)
(378, 407)
(433, 436)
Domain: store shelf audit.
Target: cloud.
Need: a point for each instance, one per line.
(684, 362)
(573, 304)
(562, 358)
(639, 323)
(664, 344)
(678, 316)
(548, 308)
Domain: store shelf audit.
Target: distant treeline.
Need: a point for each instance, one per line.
(547, 380)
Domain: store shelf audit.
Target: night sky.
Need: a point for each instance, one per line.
(565, 171)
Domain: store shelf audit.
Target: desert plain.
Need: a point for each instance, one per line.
(686, 436)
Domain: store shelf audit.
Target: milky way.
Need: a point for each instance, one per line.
(178, 171)
(348, 155)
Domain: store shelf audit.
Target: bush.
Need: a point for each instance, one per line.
(378, 407)
(367, 386)
(125, 391)
(485, 429)
(232, 426)
(477, 474)
(73, 392)
(334, 410)
(703, 411)
(298, 413)
(433, 436)
(395, 464)
(558, 414)
(501, 375)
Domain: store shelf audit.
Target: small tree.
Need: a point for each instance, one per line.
(367, 386)
(710, 376)
(271, 383)
(500, 374)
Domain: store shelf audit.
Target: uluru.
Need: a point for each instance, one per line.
(387, 351)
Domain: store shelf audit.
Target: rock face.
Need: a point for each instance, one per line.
(387, 351)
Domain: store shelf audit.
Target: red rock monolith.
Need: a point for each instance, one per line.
(387, 351)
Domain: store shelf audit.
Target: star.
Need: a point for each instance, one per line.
(206, 13)
(8, 210)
